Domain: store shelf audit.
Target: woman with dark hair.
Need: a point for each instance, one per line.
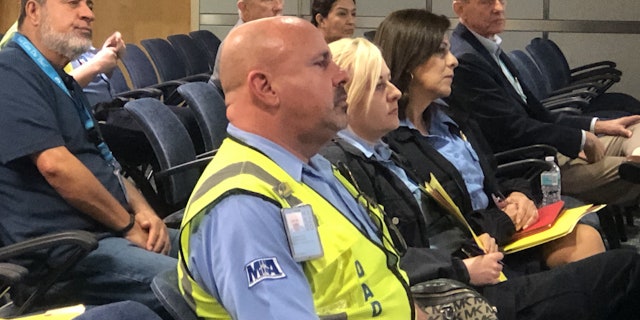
(434, 140)
(335, 18)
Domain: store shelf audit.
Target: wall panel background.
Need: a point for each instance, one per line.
(584, 44)
(573, 24)
(136, 19)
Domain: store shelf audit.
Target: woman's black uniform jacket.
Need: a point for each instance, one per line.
(434, 228)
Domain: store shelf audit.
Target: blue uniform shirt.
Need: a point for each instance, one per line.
(446, 137)
(382, 153)
(243, 229)
(99, 89)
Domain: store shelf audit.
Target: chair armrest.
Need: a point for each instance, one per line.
(586, 90)
(537, 151)
(83, 240)
(570, 102)
(594, 77)
(140, 93)
(169, 91)
(198, 163)
(11, 273)
(526, 168)
(605, 64)
(202, 77)
(210, 153)
(571, 110)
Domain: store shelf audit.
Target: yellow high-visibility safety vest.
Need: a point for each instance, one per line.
(356, 278)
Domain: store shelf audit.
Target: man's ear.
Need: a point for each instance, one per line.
(458, 7)
(33, 11)
(319, 19)
(260, 87)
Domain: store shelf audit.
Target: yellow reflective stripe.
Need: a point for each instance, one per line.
(250, 168)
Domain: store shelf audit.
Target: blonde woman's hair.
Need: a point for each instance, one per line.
(363, 60)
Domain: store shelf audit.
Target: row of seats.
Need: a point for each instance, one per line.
(545, 71)
(175, 72)
(170, 62)
(172, 177)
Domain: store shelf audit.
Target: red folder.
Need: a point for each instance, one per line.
(546, 217)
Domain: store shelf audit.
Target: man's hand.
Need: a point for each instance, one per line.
(104, 61)
(158, 236)
(616, 127)
(484, 269)
(521, 210)
(116, 43)
(593, 147)
(137, 235)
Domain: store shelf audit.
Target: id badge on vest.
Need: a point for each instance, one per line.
(302, 232)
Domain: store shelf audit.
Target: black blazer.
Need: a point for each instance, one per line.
(417, 230)
(421, 159)
(481, 89)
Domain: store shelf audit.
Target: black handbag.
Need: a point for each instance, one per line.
(446, 299)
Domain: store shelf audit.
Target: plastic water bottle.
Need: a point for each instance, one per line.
(550, 183)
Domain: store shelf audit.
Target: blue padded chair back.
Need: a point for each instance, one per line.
(165, 58)
(530, 74)
(553, 66)
(195, 57)
(165, 287)
(209, 110)
(171, 145)
(118, 82)
(139, 67)
(209, 41)
(370, 35)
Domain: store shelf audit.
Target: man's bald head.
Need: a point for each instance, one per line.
(281, 83)
(247, 47)
(250, 10)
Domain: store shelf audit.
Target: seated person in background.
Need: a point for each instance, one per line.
(592, 153)
(433, 140)
(565, 292)
(7, 36)
(285, 100)
(335, 18)
(56, 174)
(92, 69)
(248, 10)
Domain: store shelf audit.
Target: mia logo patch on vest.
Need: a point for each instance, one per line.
(262, 269)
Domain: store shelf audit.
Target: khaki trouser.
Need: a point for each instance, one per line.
(599, 182)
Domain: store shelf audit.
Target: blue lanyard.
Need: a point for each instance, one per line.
(84, 114)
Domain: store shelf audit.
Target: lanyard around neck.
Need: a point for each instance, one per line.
(48, 69)
(41, 61)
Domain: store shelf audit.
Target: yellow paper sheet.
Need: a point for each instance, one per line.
(436, 190)
(66, 313)
(563, 225)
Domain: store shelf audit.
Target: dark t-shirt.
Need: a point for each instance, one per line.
(37, 115)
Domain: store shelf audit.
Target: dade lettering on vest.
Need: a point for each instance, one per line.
(376, 306)
(262, 269)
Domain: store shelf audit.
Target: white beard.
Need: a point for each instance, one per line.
(67, 44)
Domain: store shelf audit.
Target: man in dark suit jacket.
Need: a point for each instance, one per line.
(486, 85)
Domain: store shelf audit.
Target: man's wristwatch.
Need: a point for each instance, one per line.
(128, 227)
